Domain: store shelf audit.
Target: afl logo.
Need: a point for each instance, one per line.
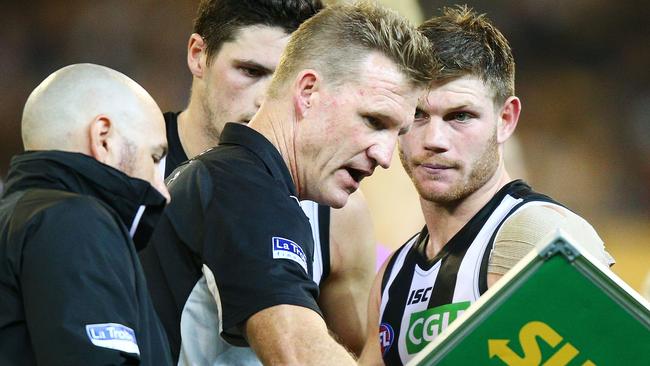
(385, 337)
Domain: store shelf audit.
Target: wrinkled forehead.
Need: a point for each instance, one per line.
(378, 73)
(256, 42)
(385, 92)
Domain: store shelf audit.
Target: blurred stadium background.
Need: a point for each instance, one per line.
(582, 74)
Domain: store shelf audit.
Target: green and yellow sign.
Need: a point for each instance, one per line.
(559, 310)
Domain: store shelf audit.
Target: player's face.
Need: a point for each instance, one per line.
(353, 128)
(238, 75)
(451, 150)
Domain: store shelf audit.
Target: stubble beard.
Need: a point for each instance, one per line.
(482, 170)
(211, 123)
(127, 162)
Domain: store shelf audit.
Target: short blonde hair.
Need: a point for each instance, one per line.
(338, 38)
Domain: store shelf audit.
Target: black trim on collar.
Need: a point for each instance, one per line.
(324, 236)
(242, 135)
(83, 174)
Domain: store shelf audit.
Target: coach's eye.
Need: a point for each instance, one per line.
(421, 115)
(374, 122)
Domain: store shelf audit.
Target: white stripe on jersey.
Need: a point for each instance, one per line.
(466, 287)
(396, 267)
(311, 210)
(467, 282)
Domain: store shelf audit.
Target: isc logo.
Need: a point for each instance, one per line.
(419, 295)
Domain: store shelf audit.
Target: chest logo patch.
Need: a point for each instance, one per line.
(386, 336)
(425, 325)
(114, 336)
(287, 249)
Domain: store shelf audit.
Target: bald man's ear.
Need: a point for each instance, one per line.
(196, 55)
(305, 92)
(99, 133)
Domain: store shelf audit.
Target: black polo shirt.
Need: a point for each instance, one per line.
(234, 233)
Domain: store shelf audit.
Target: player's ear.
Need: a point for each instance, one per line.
(196, 55)
(508, 118)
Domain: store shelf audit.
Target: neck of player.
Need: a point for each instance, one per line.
(444, 220)
(193, 133)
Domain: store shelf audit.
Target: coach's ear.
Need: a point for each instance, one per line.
(99, 137)
(508, 118)
(305, 92)
(196, 55)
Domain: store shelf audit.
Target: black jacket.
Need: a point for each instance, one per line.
(72, 291)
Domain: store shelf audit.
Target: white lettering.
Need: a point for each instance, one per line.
(431, 327)
(99, 335)
(383, 339)
(411, 334)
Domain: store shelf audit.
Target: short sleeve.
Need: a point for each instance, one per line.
(259, 247)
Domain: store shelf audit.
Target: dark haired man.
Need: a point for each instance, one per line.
(479, 222)
(231, 263)
(235, 47)
(232, 54)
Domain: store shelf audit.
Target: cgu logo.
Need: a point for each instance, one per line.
(532, 353)
(419, 295)
(424, 326)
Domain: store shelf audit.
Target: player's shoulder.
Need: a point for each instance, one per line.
(543, 213)
(540, 220)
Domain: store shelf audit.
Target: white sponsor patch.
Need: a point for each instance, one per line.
(113, 336)
(287, 249)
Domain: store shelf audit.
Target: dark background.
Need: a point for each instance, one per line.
(582, 74)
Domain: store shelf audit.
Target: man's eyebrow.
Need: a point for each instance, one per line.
(254, 65)
(460, 106)
(380, 115)
(388, 121)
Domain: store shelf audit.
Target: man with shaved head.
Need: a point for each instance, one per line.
(77, 203)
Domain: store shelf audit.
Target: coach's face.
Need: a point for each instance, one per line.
(142, 144)
(351, 128)
(233, 84)
(132, 139)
